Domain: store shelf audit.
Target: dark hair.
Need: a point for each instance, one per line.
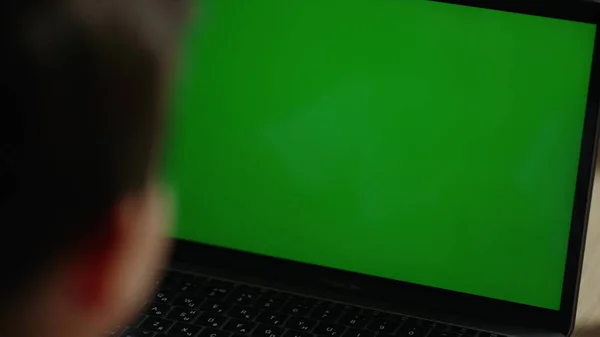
(81, 113)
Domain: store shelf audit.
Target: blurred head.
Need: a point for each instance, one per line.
(82, 211)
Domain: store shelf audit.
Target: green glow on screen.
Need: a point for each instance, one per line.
(430, 143)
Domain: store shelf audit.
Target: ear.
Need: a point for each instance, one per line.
(119, 265)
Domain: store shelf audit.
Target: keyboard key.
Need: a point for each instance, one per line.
(216, 289)
(433, 325)
(183, 283)
(267, 331)
(184, 330)
(382, 326)
(214, 333)
(243, 313)
(413, 332)
(239, 326)
(329, 329)
(244, 295)
(156, 324)
(354, 321)
(301, 324)
(405, 321)
(185, 315)
(402, 319)
(217, 293)
(297, 308)
(294, 333)
(216, 307)
(462, 331)
(273, 319)
(269, 303)
(375, 313)
(190, 284)
(187, 301)
(157, 309)
(411, 324)
(326, 313)
(187, 288)
(211, 320)
(164, 296)
(134, 332)
(358, 333)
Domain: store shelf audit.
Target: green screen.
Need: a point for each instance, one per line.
(430, 143)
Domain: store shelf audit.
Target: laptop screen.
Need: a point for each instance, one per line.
(424, 142)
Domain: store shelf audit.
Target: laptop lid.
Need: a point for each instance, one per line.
(427, 153)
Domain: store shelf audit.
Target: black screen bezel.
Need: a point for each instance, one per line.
(448, 301)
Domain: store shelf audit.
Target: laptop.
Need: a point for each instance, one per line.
(379, 168)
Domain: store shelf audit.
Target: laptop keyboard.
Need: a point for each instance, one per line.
(194, 306)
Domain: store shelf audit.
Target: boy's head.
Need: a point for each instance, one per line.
(81, 211)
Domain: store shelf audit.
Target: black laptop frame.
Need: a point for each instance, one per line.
(402, 295)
